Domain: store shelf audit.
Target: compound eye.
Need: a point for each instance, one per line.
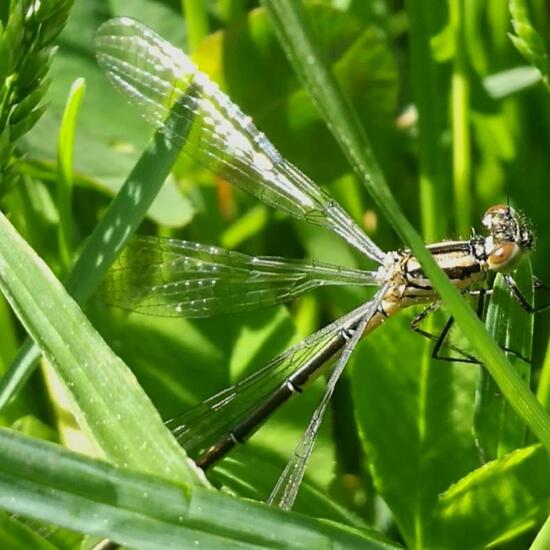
(504, 257)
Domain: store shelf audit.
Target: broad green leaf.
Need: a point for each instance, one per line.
(425, 48)
(120, 221)
(542, 540)
(277, 103)
(252, 473)
(543, 390)
(8, 342)
(413, 414)
(34, 427)
(495, 502)
(296, 36)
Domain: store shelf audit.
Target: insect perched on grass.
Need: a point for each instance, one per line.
(169, 277)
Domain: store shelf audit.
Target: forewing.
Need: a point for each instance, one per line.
(167, 88)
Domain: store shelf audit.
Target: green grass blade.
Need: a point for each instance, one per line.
(542, 540)
(8, 337)
(289, 20)
(196, 19)
(543, 390)
(108, 403)
(46, 482)
(293, 29)
(412, 417)
(19, 371)
(121, 220)
(65, 177)
(17, 536)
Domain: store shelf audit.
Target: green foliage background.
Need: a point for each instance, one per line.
(403, 452)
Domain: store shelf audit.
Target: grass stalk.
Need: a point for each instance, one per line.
(65, 178)
(460, 107)
(427, 102)
(196, 20)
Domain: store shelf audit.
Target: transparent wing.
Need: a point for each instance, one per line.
(200, 426)
(165, 85)
(170, 277)
(286, 489)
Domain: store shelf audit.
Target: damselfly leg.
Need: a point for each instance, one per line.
(519, 296)
(441, 339)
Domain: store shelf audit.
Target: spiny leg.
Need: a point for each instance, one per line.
(440, 339)
(519, 296)
(539, 285)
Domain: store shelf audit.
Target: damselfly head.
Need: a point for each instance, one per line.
(510, 237)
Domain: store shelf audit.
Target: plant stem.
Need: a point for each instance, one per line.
(65, 175)
(460, 100)
(426, 99)
(196, 21)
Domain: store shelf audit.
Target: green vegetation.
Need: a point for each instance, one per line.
(445, 113)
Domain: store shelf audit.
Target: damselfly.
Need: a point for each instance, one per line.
(179, 278)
